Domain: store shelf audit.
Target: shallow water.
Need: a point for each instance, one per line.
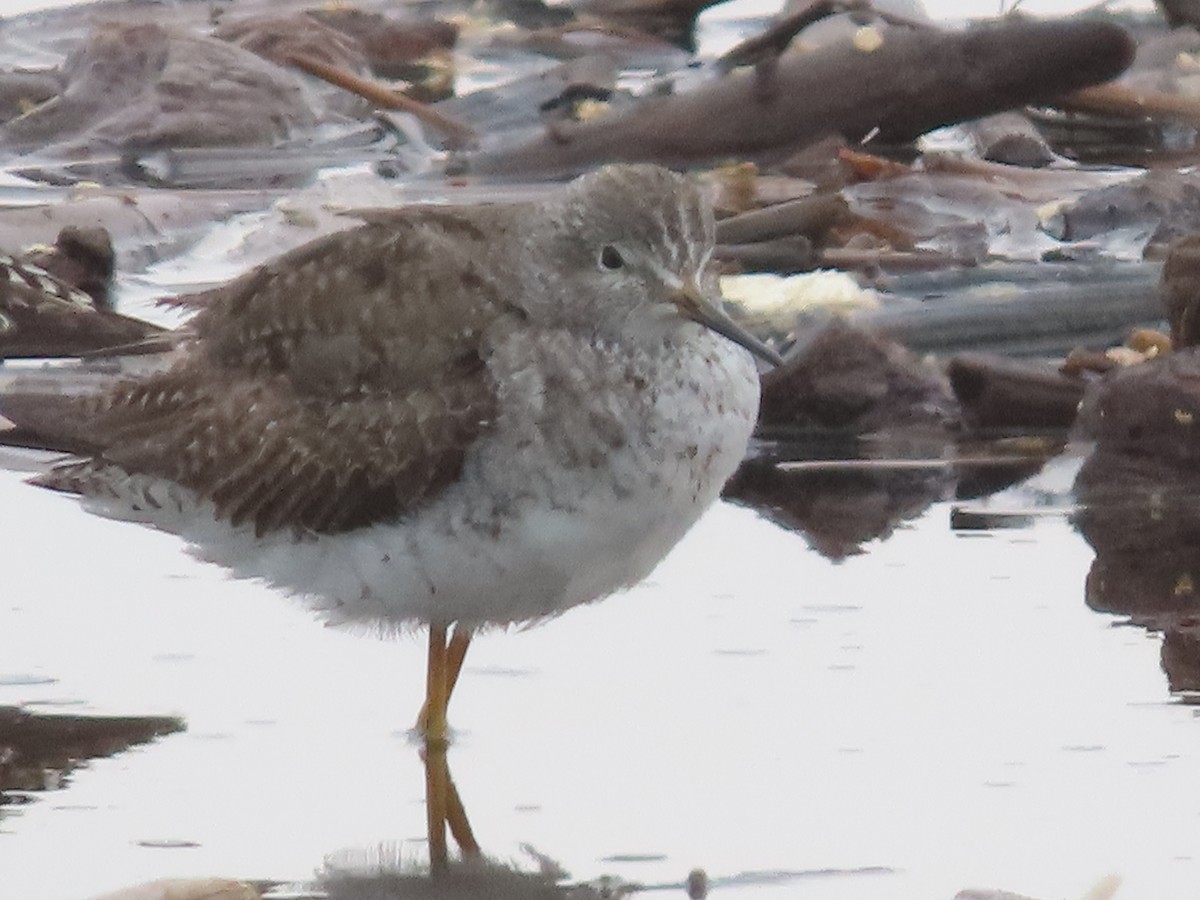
(940, 712)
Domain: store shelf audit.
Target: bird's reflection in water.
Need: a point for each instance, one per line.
(444, 811)
(1143, 520)
(465, 873)
(462, 874)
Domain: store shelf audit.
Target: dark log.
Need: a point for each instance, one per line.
(843, 379)
(1181, 291)
(884, 260)
(996, 392)
(1179, 12)
(1150, 411)
(1010, 138)
(915, 80)
(786, 256)
(808, 216)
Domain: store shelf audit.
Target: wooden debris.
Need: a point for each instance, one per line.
(842, 378)
(914, 81)
(1119, 100)
(1033, 319)
(458, 133)
(786, 256)
(996, 392)
(1010, 138)
(808, 216)
(1181, 290)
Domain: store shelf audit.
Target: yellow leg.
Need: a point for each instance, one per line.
(460, 827)
(437, 786)
(445, 664)
(455, 654)
(443, 809)
(432, 720)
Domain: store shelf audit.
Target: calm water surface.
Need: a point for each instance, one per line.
(940, 712)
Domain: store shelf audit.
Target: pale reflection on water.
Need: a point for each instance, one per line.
(944, 706)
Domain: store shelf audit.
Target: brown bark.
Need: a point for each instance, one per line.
(915, 80)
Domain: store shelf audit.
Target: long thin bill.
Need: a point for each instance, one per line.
(696, 307)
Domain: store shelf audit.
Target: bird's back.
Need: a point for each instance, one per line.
(339, 385)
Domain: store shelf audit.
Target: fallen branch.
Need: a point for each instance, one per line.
(458, 133)
(913, 80)
(1119, 100)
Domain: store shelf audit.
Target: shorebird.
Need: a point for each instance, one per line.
(54, 300)
(460, 417)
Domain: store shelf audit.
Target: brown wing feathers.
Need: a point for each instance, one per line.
(305, 406)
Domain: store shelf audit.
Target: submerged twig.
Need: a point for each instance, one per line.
(458, 133)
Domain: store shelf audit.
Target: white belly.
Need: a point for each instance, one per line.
(561, 503)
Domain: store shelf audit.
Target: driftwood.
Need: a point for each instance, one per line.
(1119, 100)
(1181, 291)
(457, 132)
(1010, 138)
(1046, 319)
(913, 81)
(807, 216)
(1179, 12)
(785, 256)
(878, 260)
(841, 378)
(1000, 393)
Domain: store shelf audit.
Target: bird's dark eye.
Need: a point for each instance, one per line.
(610, 257)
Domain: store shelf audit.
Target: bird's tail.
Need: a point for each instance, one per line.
(44, 408)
